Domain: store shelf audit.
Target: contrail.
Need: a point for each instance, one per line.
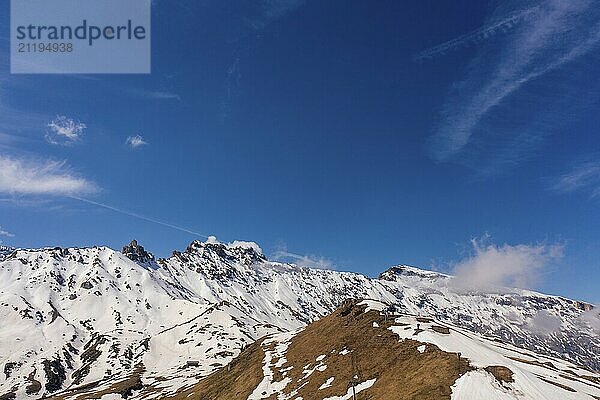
(139, 216)
(478, 35)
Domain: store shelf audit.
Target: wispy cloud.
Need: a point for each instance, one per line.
(154, 94)
(270, 10)
(19, 176)
(15, 119)
(5, 233)
(64, 130)
(583, 177)
(262, 14)
(136, 141)
(479, 35)
(505, 266)
(7, 140)
(557, 33)
(307, 261)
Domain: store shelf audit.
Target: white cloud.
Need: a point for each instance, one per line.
(212, 240)
(557, 33)
(544, 323)
(591, 318)
(33, 177)
(136, 141)
(585, 176)
(64, 131)
(505, 266)
(236, 243)
(306, 261)
(246, 245)
(5, 233)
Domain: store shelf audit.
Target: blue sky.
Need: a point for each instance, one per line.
(335, 133)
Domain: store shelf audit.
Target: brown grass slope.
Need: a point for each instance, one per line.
(400, 370)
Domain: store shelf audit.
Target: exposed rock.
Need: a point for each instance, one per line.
(55, 374)
(138, 254)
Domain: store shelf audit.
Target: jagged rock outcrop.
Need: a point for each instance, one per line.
(138, 254)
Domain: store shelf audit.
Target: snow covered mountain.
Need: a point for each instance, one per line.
(93, 320)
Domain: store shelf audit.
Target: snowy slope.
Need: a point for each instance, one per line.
(533, 376)
(95, 316)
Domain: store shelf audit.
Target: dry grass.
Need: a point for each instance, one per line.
(560, 385)
(441, 329)
(547, 365)
(402, 372)
(501, 373)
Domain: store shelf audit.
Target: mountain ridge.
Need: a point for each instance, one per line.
(88, 316)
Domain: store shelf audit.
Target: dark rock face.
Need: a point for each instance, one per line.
(8, 396)
(138, 254)
(87, 285)
(8, 368)
(55, 374)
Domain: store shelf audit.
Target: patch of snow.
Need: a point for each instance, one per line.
(327, 383)
(357, 389)
(308, 372)
(373, 305)
(111, 396)
(267, 387)
(479, 384)
(375, 324)
(421, 348)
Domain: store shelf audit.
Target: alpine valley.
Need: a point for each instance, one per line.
(221, 321)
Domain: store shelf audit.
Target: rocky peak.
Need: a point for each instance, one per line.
(138, 254)
(242, 252)
(5, 251)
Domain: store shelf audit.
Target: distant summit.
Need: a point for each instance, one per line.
(245, 253)
(136, 253)
(398, 272)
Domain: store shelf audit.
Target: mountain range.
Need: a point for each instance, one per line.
(220, 320)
